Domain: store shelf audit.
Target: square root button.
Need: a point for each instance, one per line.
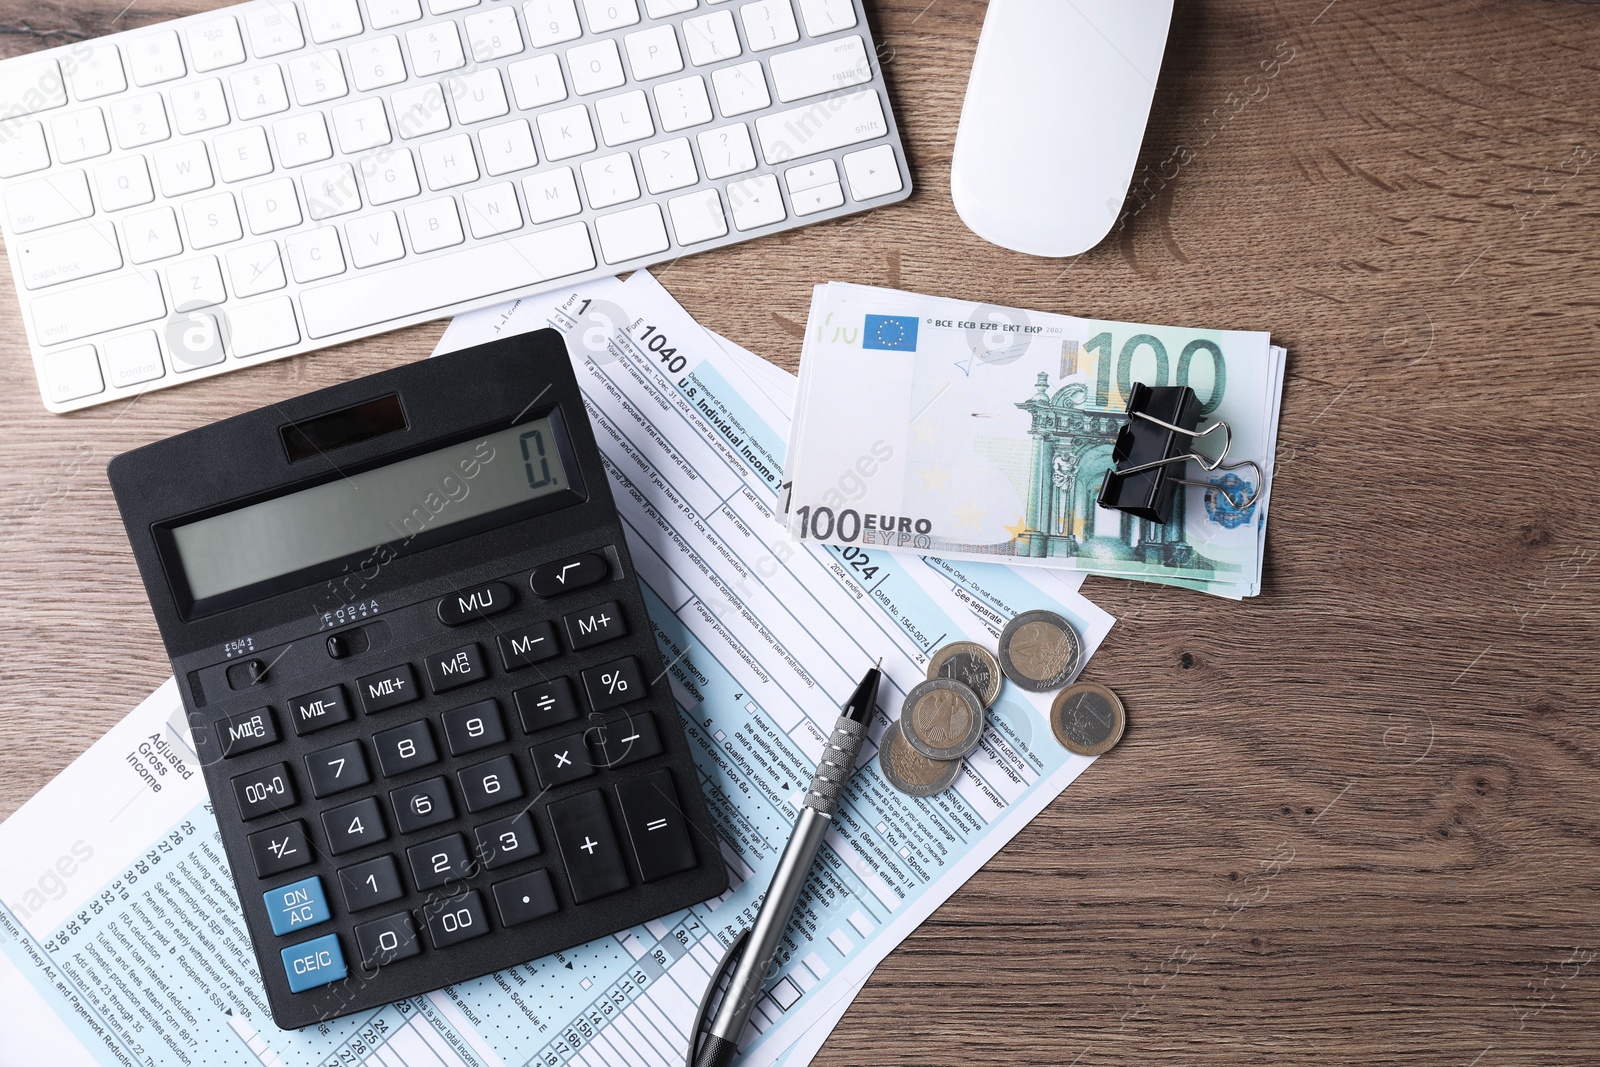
(314, 963)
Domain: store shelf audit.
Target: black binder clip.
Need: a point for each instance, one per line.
(1148, 456)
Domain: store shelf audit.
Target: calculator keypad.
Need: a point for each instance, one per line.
(476, 726)
(456, 668)
(319, 710)
(387, 689)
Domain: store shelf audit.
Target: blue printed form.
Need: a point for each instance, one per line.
(140, 956)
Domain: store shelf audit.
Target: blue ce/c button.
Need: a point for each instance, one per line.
(314, 963)
(296, 906)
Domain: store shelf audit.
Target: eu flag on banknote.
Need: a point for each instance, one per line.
(891, 333)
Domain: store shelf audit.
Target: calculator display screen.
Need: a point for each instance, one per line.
(394, 504)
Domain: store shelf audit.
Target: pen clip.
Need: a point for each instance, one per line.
(730, 960)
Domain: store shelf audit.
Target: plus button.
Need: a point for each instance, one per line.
(588, 844)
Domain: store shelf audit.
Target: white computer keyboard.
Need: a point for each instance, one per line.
(283, 175)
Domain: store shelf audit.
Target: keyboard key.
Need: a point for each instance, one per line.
(595, 626)
(588, 846)
(386, 13)
(525, 898)
(547, 704)
(610, 180)
(491, 783)
(73, 373)
(238, 734)
(668, 165)
(419, 806)
(98, 307)
(262, 327)
(610, 14)
(630, 234)
(302, 139)
(29, 85)
(493, 34)
(199, 106)
(405, 748)
(61, 196)
(389, 176)
(419, 110)
(435, 49)
(656, 825)
(258, 92)
(551, 22)
(683, 103)
(374, 239)
(387, 689)
(317, 78)
(434, 224)
(449, 162)
(433, 863)
(624, 118)
(366, 885)
(333, 770)
(183, 168)
(821, 198)
(566, 759)
(67, 255)
(613, 684)
(768, 24)
(376, 63)
(133, 358)
(827, 16)
(315, 963)
(653, 52)
(660, 9)
(527, 645)
(552, 194)
(451, 922)
(123, 183)
(697, 216)
(22, 150)
(474, 727)
(280, 848)
(332, 20)
(492, 210)
(595, 66)
(507, 841)
(361, 125)
(478, 96)
(507, 147)
(484, 270)
(270, 206)
(243, 154)
(274, 29)
(566, 132)
(296, 906)
(354, 826)
(387, 940)
(195, 341)
(755, 202)
(872, 172)
(711, 38)
(210, 220)
(215, 44)
(740, 89)
(536, 82)
(262, 792)
(80, 135)
(626, 741)
(820, 68)
(808, 130)
(727, 150)
(155, 58)
(316, 711)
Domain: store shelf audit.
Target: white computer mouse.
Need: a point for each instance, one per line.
(1054, 117)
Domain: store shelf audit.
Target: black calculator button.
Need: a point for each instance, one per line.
(656, 825)
(469, 605)
(264, 791)
(617, 744)
(595, 626)
(528, 645)
(366, 885)
(588, 846)
(566, 759)
(433, 863)
(456, 668)
(279, 849)
(563, 576)
(492, 782)
(238, 734)
(387, 689)
(419, 806)
(354, 825)
(613, 684)
(316, 711)
(525, 898)
(246, 673)
(473, 727)
(333, 770)
(453, 921)
(405, 748)
(507, 841)
(386, 940)
(546, 704)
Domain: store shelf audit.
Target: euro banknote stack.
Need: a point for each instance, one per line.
(974, 431)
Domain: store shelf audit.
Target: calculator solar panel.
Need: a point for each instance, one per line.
(419, 674)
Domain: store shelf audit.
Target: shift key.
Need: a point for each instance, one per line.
(85, 310)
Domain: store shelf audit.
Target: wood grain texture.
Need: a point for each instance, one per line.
(1353, 819)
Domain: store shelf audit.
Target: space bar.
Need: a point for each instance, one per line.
(401, 292)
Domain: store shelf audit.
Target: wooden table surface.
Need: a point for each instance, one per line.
(1354, 818)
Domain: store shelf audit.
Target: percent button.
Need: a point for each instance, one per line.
(613, 684)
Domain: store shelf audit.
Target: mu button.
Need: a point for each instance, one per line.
(467, 605)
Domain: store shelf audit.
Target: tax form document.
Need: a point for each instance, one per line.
(119, 936)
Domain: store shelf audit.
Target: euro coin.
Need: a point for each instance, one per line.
(910, 771)
(942, 719)
(972, 665)
(1088, 719)
(1039, 650)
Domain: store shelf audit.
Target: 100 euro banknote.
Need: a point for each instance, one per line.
(982, 432)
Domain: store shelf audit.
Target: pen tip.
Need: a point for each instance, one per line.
(878, 665)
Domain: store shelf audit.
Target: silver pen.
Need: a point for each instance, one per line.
(760, 943)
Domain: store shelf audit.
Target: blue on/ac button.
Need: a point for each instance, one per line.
(296, 906)
(314, 963)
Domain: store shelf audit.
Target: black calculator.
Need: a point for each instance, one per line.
(417, 668)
